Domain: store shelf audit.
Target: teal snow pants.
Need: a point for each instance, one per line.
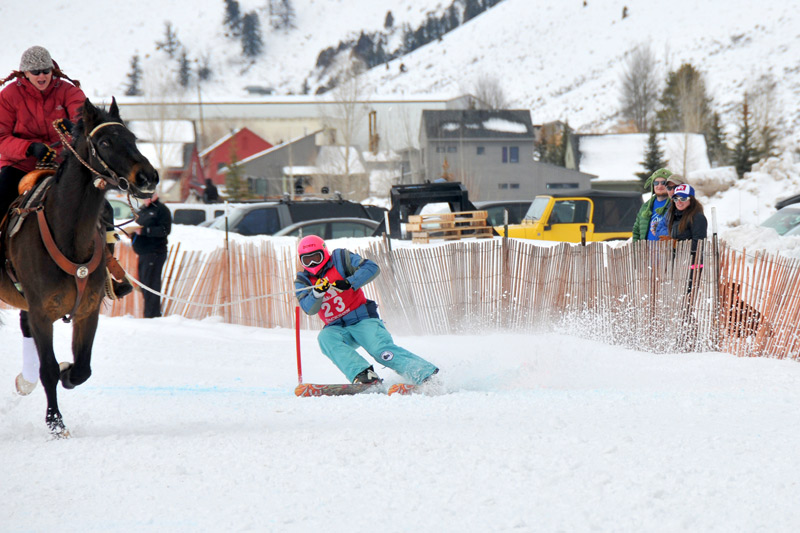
(339, 344)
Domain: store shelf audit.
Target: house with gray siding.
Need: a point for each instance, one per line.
(491, 153)
(264, 171)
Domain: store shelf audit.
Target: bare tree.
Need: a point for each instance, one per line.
(487, 89)
(342, 118)
(639, 91)
(765, 107)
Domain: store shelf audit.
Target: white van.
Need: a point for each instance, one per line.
(195, 214)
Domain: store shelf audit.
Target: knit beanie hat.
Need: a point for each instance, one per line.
(35, 58)
(661, 173)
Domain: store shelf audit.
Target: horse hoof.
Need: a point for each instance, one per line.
(24, 387)
(63, 375)
(56, 426)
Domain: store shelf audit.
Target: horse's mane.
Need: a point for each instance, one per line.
(79, 134)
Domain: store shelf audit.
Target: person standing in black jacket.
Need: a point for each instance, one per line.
(150, 244)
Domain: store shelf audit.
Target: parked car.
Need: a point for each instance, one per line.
(122, 211)
(496, 208)
(267, 218)
(331, 228)
(195, 214)
(602, 215)
(785, 221)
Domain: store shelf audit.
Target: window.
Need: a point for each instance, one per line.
(505, 186)
(452, 149)
(441, 149)
(570, 212)
(480, 150)
(557, 186)
(262, 221)
(220, 166)
(510, 154)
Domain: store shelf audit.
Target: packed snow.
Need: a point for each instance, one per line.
(190, 425)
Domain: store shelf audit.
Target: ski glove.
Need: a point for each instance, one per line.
(321, 287)
(341, 285)
(64, 126)
(43, 153)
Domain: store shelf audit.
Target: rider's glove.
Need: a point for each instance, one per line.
(321, 287)
(341, 285)
(43, 153)
(64, 126)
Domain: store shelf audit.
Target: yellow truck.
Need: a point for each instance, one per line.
(579, 216)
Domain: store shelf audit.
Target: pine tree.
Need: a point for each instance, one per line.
(233, 17)
(170, 44)
(653, 155)
(685, 106)
(388, 23)
(134, 78)
(236, 188)
(744, 154)
(282, 14)
(252, 44)
(716, 142)
(184, 71)
(204, 71)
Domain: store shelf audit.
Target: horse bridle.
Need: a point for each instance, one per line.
(101, 181)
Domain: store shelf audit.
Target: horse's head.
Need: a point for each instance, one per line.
(112, 152)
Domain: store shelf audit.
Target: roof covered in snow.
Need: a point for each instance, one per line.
(477, 123)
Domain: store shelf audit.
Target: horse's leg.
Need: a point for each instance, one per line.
(42, 330)
(83, 331)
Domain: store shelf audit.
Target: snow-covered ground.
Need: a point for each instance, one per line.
(193, 426)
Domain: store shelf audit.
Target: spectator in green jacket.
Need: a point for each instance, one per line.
(653, 211)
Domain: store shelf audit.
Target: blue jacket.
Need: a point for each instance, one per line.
(355, 269)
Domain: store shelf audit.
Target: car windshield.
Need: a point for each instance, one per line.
(536, 210)
(784, 220)
(219, 222)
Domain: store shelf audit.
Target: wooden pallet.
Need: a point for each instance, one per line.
(448, 226)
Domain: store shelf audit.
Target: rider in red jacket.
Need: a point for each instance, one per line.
(39, 95)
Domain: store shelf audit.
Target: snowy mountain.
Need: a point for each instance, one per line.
(561, 60)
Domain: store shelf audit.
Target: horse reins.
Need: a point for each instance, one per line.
(101, 181)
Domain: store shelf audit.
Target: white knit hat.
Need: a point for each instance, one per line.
(35, 58)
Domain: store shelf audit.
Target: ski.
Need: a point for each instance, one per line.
(344, 389)
(403, 389)
(305, 390)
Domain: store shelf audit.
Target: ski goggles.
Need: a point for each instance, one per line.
(680, 198)
(312, 259)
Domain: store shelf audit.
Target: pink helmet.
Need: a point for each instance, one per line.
(313, 253)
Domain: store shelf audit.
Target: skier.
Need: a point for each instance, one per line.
(350, 319)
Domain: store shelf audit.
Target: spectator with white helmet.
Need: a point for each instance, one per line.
(351, 320)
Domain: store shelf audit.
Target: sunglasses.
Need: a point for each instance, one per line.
(681, 198)
(311, 259)
(42, 71)
(659, 182)
(671, 187)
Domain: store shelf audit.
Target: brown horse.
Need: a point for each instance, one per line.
(103, 155)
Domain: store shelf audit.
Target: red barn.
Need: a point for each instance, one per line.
(240, 143)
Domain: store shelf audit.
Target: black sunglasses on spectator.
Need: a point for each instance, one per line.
(671, 187)
(42, 71)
